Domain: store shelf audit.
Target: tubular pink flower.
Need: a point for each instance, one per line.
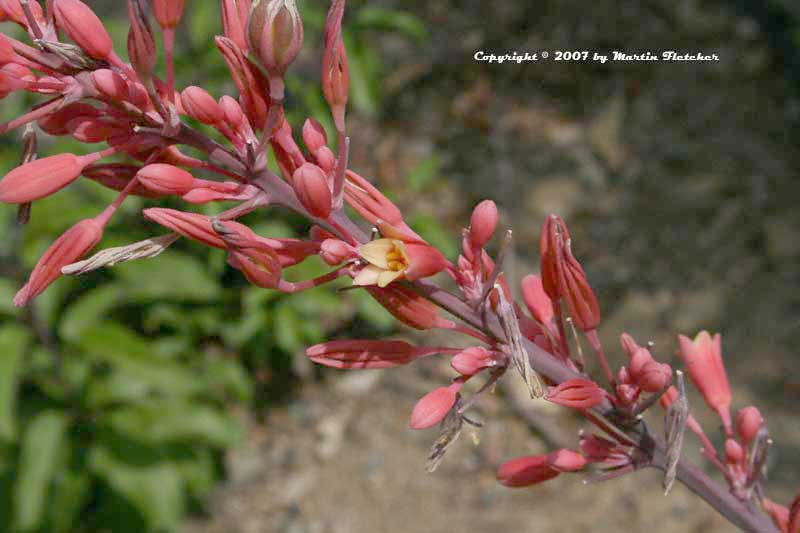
(409, 307)
(190, 225)
(534, 469)
(275, 34)
(703, 358)
(335, 72)
(748, 422)
(434, 406)
(141, 43)
(554, 236)
(314, 135)
(165, 179)
(234, 21)
(576, 394)
(538, 302)
(201, 106)
(483, 223)
(472, 360)
(68, 248)
(43, 177)
(253, 89)
(577, 292)
(377, 208)
(361, 354)
(83, 27)
(311, 186)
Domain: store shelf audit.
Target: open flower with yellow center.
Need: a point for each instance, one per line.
(393, 259)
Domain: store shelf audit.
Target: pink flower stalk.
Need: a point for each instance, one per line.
(748, 423)
(313, 190)
(165, 179)
(409, 307)
(234, 21)
(483, 223)
(472, 360)
(534, 469)
(576, 393)
(201, 106)
(703, 358)
(335, 73)
(391, 259)
(362, 354)
(68, 248)
(434, 406)
(275, 35)
(43, 177)
(83, 27)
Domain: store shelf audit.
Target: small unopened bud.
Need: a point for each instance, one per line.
(335, 72)
(703, 358)
(577, 292)
(141, 43)
(68, 248)
(538, 302)
(335, 252)
(314, 135)
(84, 27)
(168, 12)
(201, 106)
(734, 453)
(748, 423)
(234, 21)
(554, 237)
(472, 360)
(576, 393)
(191, 225)
(655, 376)
(483, 223)
(110, 84)
(42, 177)
(12, 10)
(275, 34)
(313, 191)
(95, 130)
(165, 179)
(56, 123)
(639, 359)
(232, 111)
(434, 406)
(325, 159)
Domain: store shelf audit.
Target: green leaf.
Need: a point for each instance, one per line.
(392, 20)
(160, 422)
(70, 493)
(172, 276)
(14, 340)
(43, 441)
(154, 489)
(88, 310)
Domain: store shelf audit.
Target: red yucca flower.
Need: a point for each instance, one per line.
(534, 469)
(434, 406)
(576, 393)
(42, 177)
(82, 25)
(703, 358)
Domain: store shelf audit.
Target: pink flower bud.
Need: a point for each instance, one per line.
(640, 358)
(168, 12)
(56, 123)
(576, 393)
(601, 450)
(234, 21)
(165, 179)
(335, 72)
(252, 88)
(472, 360)
(628, 344)
(748, 424)
(7, 53)
(423, 261)
(358, 354)
(566, 460)
(110, 84)
(141, 43)
(778, 513)
(409, 307)
(326, 159)
(312, 189)
(190, 225)
(537, 301)
(575, 289)
(703, 358)
(12, 9)
(655, 376)
(434, 406)
(201, 106)
(42, 177)
(554, 238)
(275, 34)
(526, 471)
(116, 176)
(259, 264)
(68, 248)
(734, 453)
(483, 223)
(82, 25)
(335, 252)
(95, 130)
(314, 135)
(232, 111)
(377, 208)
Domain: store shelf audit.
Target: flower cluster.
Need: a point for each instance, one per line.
(94, 96)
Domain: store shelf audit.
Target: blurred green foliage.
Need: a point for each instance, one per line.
(121, 390)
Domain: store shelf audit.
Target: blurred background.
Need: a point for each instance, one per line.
(168, 395)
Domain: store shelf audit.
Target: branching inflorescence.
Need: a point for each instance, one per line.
(94, 96)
